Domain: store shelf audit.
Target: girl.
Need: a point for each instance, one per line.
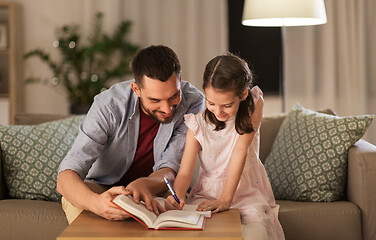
(226, 137)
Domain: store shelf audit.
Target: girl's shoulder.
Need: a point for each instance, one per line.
(196, 123)
(194, 120)
(256, 93)
(194, 117)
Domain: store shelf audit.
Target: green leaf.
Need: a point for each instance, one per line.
(80, 59)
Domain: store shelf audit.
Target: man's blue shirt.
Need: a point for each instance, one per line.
(107, 140)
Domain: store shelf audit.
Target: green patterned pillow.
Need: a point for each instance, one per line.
(31, 156)
(308, 160)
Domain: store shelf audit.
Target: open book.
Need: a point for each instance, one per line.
(187, 218)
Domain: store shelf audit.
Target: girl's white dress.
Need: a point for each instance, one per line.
(254, 197)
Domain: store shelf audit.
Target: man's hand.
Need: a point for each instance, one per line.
(214, 205)
(101, 204)
(140, 191)
(73, 188)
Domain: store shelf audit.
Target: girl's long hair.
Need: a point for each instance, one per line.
(231, 73)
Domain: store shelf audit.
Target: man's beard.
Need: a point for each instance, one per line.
(153, 115)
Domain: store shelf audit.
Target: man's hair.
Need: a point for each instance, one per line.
(156, 62)
(231, 73)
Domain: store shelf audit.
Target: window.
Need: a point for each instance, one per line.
(259, 46)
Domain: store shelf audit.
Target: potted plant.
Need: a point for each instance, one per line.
(86, 69)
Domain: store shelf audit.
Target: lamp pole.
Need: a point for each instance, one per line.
(283, 13)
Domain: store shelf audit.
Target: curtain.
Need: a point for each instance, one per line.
(331, 65)
(196, 30)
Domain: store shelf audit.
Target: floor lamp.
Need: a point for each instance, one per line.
(283, 13)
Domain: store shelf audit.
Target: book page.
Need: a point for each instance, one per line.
(192, 208)
(172, 224)
(138, 210)
(178, 216)
(187, 207)
(170, 219)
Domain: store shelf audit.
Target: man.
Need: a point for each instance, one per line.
(132, 137)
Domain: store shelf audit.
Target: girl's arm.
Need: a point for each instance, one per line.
(238, 157)
(184, 176)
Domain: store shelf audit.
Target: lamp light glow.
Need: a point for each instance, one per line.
(274, 13)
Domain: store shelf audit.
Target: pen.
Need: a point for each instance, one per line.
(171, 190)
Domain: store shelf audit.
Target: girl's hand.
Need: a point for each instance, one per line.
(171, 204)
(214, 205)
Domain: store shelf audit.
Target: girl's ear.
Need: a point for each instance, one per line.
(244, 94)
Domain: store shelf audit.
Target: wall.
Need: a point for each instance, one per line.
(4, 110)
(195, 29)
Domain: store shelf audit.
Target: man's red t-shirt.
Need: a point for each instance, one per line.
(143, 161)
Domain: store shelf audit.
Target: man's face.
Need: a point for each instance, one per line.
(159, 99)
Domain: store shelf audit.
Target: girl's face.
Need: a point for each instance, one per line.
(223, 104)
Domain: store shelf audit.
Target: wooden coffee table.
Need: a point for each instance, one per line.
(224, 225)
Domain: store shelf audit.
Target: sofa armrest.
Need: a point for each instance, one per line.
(361, 187)
(36, 118)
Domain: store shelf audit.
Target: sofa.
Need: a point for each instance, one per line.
(353, 217)
(29, 219)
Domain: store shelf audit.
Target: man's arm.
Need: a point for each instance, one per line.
(73, 188)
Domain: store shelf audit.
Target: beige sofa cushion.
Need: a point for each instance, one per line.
(268, 131)
(25, 219)
(33, 118)
(335, 220)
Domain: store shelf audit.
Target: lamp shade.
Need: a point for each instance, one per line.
(275, 13)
